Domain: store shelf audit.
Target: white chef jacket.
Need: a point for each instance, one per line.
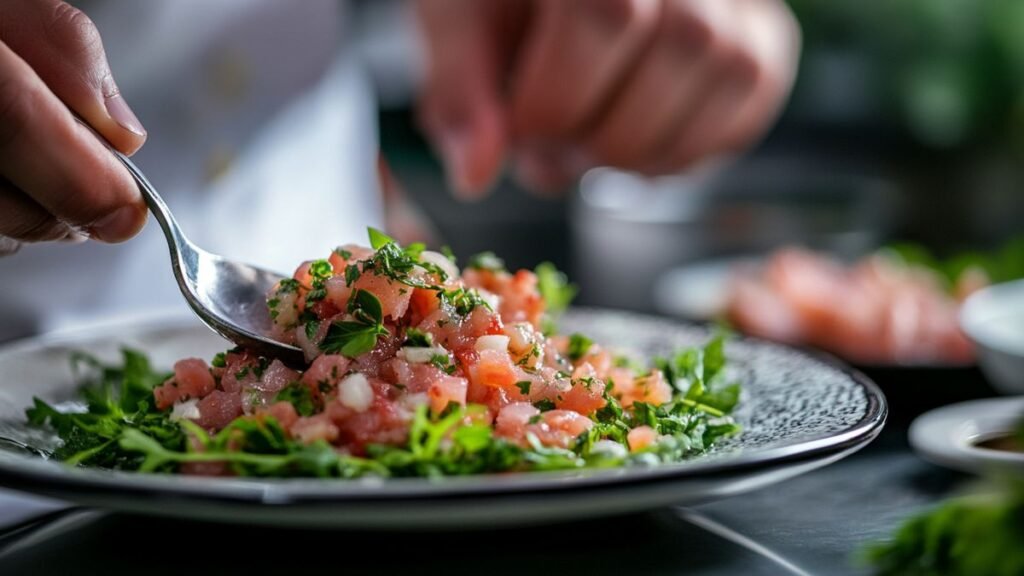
(262, 140)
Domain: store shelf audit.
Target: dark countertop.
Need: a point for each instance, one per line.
(813, 524)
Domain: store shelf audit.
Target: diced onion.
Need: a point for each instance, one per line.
(441, 261)
(188, 409)
(492, 342)
(412, 401)
(609, 448)
(421, 355)
(520, 336)
(493, 300)
(355, 392)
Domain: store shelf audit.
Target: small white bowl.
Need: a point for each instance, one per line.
(993, 318)
(949, 436)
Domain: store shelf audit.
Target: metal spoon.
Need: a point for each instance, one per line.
(229, 297)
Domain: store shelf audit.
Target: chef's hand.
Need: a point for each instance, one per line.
(558, 86)
(56, 180)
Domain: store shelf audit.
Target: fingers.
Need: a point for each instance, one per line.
(755, 67)
(569, 67)
(57, 163)
(645, 85)
(24, 220)
(64, 48)
(462, 109)
(571, 59)
(671, 80)
(650, 87)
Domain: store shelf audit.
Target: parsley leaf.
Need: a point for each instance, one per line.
(462, 301)
(379, 239)
(417, 338)
(300, 396)
(579, 345)
(557, 292)
(544, 405)
(353, 338)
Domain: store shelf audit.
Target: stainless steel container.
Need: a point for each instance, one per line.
(627, 230)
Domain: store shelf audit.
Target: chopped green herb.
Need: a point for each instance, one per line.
(312, 327)
(554, 287)
(351, 274)
(579, 345)
(462, 301)
(288, 285)
(353, 338)
(417, 338)
(544, 405)
(443, 362)
(320, 270)
(379, 239)
(524, 387)
(300, 396)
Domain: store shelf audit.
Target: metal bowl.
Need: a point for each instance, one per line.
(628, 230)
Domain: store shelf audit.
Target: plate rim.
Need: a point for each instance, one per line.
(40, 476)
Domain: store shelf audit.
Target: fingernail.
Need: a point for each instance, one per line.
(123, 115)
(119, 225)
(455, 153)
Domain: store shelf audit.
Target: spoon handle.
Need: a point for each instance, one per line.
(178, 243)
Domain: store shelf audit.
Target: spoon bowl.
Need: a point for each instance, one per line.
(228, 296)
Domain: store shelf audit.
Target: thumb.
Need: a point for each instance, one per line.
(64, 48)
(461, 107)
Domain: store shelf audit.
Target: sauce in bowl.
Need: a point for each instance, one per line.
(1007, 442)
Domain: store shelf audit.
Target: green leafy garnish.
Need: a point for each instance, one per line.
(353, 338)
(579, 345)
(300, 396)
(379, 239)
(966, 536)
(699, 373)
(417, 338)
(1003, 264)
(118, 398)
(462, 301)
(544, 404)
(557, 292)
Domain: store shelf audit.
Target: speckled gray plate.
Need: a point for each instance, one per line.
(798, 413)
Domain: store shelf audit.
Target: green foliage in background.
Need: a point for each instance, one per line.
(951, 71)
(967, 536)
(980, 533)
(1001, 265)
